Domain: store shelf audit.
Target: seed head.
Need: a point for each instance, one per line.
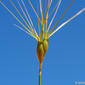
(42, 48)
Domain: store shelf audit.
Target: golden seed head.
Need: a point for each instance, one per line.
(45, 45)
(42, 48)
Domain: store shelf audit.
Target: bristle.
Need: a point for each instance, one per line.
(28, 16)
(46, 16)
(34, 10)
(61, 16)
(41, 10)
(25, 31)
(20, 15)
(54, 15)
(24, 13)
(38, 21)
(24, 19)
(67, 21)
(16, 18)
(53, 9)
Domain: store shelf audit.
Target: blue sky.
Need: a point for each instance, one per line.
(64, 62)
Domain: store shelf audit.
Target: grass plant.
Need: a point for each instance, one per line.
(45, 30)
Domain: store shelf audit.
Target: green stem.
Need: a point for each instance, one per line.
(40, 74)
(39, 78)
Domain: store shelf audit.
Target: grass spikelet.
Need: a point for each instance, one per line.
(44, 33)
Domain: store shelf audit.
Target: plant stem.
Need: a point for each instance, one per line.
(39, 78)
(40, 74)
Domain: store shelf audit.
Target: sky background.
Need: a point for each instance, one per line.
(64, 62)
